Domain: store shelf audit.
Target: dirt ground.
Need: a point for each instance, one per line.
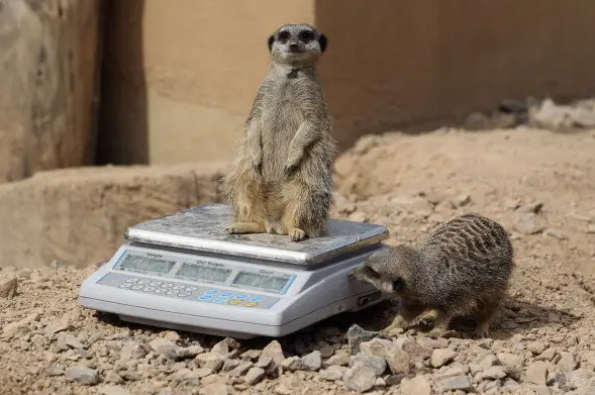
(538, 183)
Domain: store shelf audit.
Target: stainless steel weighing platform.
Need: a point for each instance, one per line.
(183, 271)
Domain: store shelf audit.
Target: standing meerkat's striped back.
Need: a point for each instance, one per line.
(463, 267)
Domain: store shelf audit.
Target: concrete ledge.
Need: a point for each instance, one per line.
(78, 216)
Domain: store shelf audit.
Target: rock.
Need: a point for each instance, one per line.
(394, 379)
(53, 370)
(548, 355)
(580, 378)
(356, 335)
(333, 373)
(241, 369)
(190, 352)
(510, 384)
(567, 362)
(8, 285)
(488, 360)
(341, 358)
(186, 377)
(456, 383)
(136, 193)
(442, 356)
(555, 233)
(216, 388)
(224, 346)
(313, 360)
(398, 360)
(537, 347)
(378, 364)
(326, 351)
(254, 376)
(531, 208)
(211, 361)
(511, 360)
(132, 350)
(274, 351)
(493, 373)
(536, 373)
(165, 347)
(172, 336)
(528, 224)
(359, 378)
(113, 377)
(21, 326)
(418, 352)
(375, 347)
(230, 364)
(251, 355)
(294, 363)
(82, 375)
(113, 390)
(290, 385)
(72, 341)
(357, 216)
(418, 386)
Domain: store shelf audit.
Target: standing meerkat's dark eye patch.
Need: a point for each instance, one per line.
(283, 36)
(398, 285)
(323, 41)
(306, 36)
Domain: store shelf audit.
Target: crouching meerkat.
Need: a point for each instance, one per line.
(462, 269)
(281, 182)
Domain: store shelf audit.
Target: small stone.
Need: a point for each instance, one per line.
(358, 216)
(190, 352)
(211, 361)
(359, 378)
(254, 376)
(567, 362)
(113, 390)
(442, 356)
(294, 364)
(418, 386)
(377, 364)
(394, 379)
(165, 347)
(537, 347)
(72, 342)
(533, 208)
(548, 355)
(230, 364)
(203, 372)
(241, 369)
(82, 375)
(313, 360)
(8, 285)
(536, 373)
(555, 233)
(326, 351)
(463, 200)
(417, 351)
(511, 360)
(274, 351)
(171, 336)
(216, 388)
(132, 350)
(493, 373)
(186, 376)
(356, 335)
(488, 361)
(341, 358)
(54, 370)
(456, 383)
(528, 224)
(251, 355)
(510, 384)
(113, 377)
(333, 373)
(580, 378)
(398, 360)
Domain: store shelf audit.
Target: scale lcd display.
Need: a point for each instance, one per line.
(144, 264)
(206, 273)
(255, 280)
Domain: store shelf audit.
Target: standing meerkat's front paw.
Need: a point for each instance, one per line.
(296, 234)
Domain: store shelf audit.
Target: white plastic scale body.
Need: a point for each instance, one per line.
(184, 272)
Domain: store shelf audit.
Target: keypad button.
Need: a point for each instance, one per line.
(132, 280)
(241, 297)
(251, 304)
(227, 294)
(184, 294)
(212, 292)
(234, 302)
(219, 300)
(142, 282)
(148, 289)
(172, 292)
(167, 285)
(125, 285)
(137, 287)
(179, 287)
(191, 289)
(155, 283)
(160, 291)
(206, 297)
(256, 299)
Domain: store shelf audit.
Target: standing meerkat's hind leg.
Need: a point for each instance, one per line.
(307, 211)
(250, 213)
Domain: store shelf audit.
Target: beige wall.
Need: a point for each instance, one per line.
(179, 75)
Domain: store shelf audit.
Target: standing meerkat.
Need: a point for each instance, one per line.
(463, 268)
(282, 180)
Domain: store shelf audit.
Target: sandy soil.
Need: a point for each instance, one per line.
(539, 184)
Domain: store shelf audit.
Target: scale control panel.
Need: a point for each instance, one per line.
(196, 293)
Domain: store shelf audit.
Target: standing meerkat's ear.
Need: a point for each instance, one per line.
(323, 41)
(270, 42)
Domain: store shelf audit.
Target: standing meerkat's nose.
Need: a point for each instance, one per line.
(293, 46)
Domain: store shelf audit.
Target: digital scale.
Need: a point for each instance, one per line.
(183, 271)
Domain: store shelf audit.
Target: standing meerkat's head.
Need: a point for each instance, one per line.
(297, 43)
(390, 270)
